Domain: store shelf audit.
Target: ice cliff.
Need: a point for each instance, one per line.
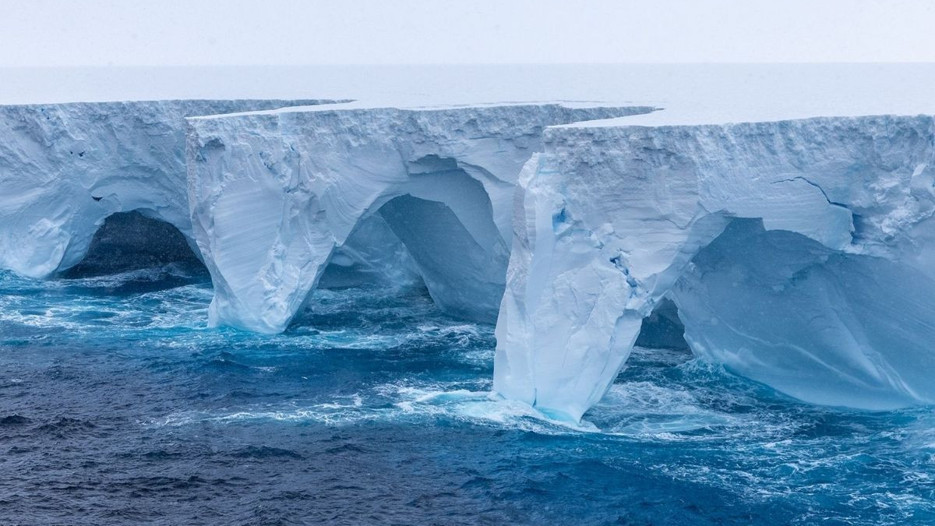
(799, 253)
(65, 168)
(275, 194)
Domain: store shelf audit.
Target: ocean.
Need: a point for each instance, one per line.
(118, 405)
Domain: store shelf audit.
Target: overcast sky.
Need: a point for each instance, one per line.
(294, 32)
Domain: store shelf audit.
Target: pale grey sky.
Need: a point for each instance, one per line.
(294, 32)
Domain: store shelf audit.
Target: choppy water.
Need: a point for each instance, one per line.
(118, 405)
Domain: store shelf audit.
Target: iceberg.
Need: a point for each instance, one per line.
(798, 253)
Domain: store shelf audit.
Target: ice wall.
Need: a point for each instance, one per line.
(610, 219)
(274, 194)
(64, 168)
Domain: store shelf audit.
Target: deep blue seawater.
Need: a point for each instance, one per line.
(119, 406)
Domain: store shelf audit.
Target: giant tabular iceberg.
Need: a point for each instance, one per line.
(274, 194)
(799, 253)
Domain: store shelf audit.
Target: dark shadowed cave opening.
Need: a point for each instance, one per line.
(662, 329)
(131, 241)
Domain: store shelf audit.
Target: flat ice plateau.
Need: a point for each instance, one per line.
(787, 211)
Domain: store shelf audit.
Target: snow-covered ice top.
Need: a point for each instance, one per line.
(690, 94)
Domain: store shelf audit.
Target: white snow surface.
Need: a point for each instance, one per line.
(689, 93)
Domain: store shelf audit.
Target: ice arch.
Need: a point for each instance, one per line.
(65, 168)
(274, 194)
(442, 216)
(612, 219)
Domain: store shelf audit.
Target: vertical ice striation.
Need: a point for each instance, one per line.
(610, 219)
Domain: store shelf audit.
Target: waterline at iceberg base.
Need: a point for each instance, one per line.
(423, 314)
